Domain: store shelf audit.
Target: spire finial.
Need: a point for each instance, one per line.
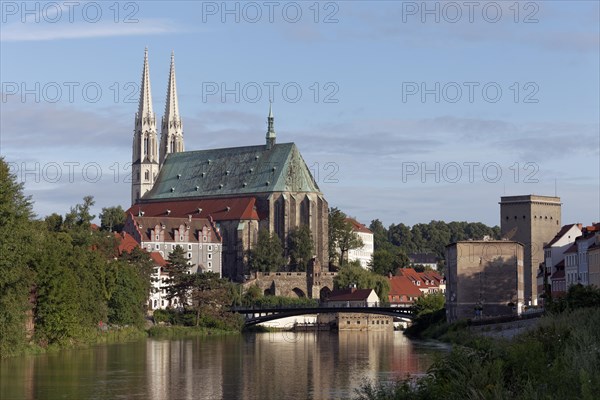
(171, 106)
(145, 105)
(271, 127)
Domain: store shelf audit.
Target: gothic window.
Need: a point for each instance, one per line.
(145, 146)
(172, 146)
(147, 175)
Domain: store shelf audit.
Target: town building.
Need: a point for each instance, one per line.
(159, 276)
(240, 189)
(484, 278)
(554, 255)
(558, 283)
(533, 221)
(199, 239)
(427, 260)
(594, 262)
(408, 285)
(353, 297)
(365, 253)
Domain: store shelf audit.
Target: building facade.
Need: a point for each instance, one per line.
(240, 189)
(365, 253)
(534, 221)
(198, 238)
(484, 278)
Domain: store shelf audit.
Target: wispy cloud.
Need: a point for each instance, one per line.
(31, 31)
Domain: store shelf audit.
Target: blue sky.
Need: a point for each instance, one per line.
(408, 112)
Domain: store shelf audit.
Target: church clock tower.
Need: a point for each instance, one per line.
(145, 159)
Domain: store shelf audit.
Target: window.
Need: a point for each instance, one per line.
(209, 248)
(189, 255)
(204, 238)
(210, 256)
(181, 238)
(189, 246)
(209, 264)
(157, 246)
(172, 247)
(157, 237)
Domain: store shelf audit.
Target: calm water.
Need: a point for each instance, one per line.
(253, 366)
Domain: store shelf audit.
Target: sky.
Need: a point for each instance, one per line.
(404, 111)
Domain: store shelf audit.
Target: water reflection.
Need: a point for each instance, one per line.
(262, 366)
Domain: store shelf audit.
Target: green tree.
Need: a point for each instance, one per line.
(79, 216)
(429, 303)
(181, 279)
(300, 247)
(354, 274)
(342, 237)
(112, 219)
(127, 302)
(384, 262)
(17, 248)
(267, 253)
(54, 222)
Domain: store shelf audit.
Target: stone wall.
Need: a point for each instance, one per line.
(293, 284)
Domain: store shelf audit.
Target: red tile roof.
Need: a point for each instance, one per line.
(144, 226)
(220, 209)
(357, 226)
(401, 285)
(126, 242)
(158, 259)
(349, 295)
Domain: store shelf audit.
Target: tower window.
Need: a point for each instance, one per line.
(147, 175)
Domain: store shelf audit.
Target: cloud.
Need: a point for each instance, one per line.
(32, 31)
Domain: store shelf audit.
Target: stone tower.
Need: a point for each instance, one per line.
(171, 133)
(145, 162)
(534, 221)
(270, 137)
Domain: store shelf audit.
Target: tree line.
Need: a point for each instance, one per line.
(59, 279)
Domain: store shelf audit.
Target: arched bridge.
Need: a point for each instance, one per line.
(257, 315)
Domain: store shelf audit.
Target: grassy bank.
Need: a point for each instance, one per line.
(176, 332)
(559, 359)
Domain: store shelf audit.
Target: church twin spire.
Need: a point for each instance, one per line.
(171, 137)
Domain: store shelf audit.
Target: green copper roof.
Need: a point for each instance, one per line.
(233, 171)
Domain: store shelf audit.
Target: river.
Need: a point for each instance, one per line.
(282, 365)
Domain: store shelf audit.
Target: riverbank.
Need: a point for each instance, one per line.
(121, 335)
(555, 358)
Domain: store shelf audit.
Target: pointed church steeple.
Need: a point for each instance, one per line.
(144, 167)
(171, 138)
(271, 128)
(145, 105)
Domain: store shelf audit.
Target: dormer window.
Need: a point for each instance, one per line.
(157, 237)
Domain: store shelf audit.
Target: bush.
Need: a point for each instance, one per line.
(554, 361)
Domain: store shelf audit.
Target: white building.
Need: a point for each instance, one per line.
(365, 253)
(554, 253)
(198, 237)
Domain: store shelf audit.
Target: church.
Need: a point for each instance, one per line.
(239, 189)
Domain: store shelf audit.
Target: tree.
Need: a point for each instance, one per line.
(112, 219)
(300, 247)
(386, 262)
(429, 303)
(180, 277)
(353, 274)
(267, 253)
(342, 237)
(17, 247)
(54, 222)
(79, 216)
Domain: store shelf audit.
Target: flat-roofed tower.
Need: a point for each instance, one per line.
(532, 220)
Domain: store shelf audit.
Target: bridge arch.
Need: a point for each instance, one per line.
(324, 293)
(299, 292)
